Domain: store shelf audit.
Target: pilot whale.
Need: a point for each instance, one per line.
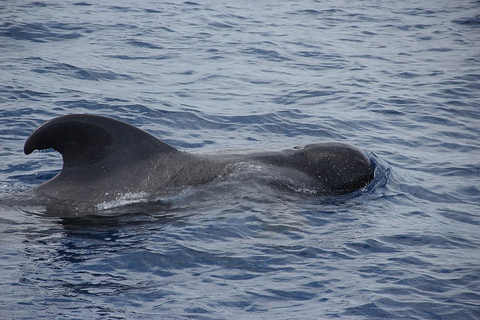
(104, 158)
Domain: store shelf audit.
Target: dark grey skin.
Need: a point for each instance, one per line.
(105, 158)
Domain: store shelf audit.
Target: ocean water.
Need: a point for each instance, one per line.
(400, 80)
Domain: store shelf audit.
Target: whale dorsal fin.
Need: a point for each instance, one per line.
(85, 140)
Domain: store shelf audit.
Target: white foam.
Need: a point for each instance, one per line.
(123, 200)
(302, 189)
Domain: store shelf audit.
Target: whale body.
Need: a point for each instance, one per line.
(104, 158)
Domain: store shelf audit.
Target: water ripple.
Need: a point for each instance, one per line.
(398, 79)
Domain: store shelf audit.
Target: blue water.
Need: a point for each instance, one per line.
(400, 80)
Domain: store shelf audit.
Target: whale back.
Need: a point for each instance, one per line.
(104, 159)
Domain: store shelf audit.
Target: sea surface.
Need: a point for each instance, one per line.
(398, 79)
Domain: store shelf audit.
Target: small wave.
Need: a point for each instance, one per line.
(143, 44)
(69, 70)
(469, 21)
(82, 4)
(9, 189)
(39, 32)
(270, 55)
